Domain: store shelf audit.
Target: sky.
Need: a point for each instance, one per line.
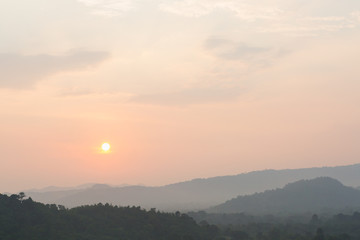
(181, 89)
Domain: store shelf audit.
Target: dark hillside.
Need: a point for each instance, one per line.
(26, 220)
(320, 194)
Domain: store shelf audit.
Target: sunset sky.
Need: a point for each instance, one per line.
(181, 89)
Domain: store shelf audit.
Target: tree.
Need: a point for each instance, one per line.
(21, 196)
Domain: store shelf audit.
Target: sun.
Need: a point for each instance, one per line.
(105, 147)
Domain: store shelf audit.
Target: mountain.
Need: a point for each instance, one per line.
(61, 189)
(198, 193)
(319, 194)
(58, 189)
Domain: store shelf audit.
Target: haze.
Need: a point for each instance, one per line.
(180, 89)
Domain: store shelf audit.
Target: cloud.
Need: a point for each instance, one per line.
(356, 16)
(241, 55)
(198, 8)
(24, 71)
(189, 96)
(230, 50)
(298, 18)
(109, 8)
(311, 26)
(227, 80)
(188, 8)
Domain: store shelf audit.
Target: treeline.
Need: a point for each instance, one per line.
(23, 219)
(293, 227)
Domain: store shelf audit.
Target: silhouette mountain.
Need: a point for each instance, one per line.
(22, 218)
(319, 194)
(198, 193)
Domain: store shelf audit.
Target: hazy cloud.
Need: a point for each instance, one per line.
(311, 26)
(109, 8)
(23, 71)
(297, 18)
(189, 96)
(225, 82)
(272, 16)
(231, 50)
(197, 8)
(249, 57)
(356, 16)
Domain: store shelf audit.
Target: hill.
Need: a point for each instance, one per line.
(22, 219)
(316, 195)
(25, 219)
(198, 193)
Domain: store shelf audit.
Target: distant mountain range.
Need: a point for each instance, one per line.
(80, 187)
(57, 189)
(316, 195)
(195, 194)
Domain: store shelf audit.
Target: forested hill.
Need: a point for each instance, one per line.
(316, 195)
(24, 219)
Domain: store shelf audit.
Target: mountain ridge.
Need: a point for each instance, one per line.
(198, 193)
